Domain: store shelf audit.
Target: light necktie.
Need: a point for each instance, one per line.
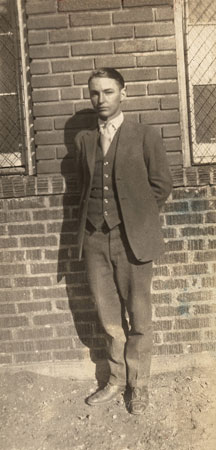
(105, 138)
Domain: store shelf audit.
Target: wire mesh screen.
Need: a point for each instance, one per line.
(201, 66)
(11, 130)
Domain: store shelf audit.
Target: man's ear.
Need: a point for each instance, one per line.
(123, 94)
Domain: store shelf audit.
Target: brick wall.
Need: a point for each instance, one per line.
(46, 312)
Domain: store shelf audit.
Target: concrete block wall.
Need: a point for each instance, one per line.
(46, 314)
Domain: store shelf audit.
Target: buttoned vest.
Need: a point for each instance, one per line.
(103, 205)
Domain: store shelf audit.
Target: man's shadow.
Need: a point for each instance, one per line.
(83, 310)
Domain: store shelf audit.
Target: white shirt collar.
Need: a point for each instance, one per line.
(116, 122)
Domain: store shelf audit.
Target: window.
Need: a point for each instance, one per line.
(16, 128)
(196, 51)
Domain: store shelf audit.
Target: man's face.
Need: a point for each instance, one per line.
(106, 96)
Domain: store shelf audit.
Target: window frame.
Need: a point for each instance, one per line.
(24, 98)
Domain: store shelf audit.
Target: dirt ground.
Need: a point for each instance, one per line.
(39, 412)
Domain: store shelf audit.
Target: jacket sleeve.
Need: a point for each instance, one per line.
(157, 165)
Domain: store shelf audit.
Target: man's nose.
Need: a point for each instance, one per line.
(101, 97)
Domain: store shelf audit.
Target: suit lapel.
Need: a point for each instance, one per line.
(127, 138)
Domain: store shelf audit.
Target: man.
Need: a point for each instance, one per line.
(124, 180)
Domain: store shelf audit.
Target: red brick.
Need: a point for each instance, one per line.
(182, 324)
(12, 269)
(13, 321)
(51, 51)
(191, 269)
(136, 89)
(161, 298)
(7, 309)
(140, 104)
(57, 318)
(37, 37)
(36, 333)
(166, 73)
(161, 87)
(170, 284)
(39, 241)
(15, 296)
(114, 32)
(157, 60)
(185, 336)
(32, 281)
(212, 244)
(211, 217)
(176, 207)
(41, 7)
(5, 335)
(16, 347)
(48, 138)
(50, 292)
(43, 124)
(173, 145)
(72, 65)
(202, 347)
(79, 106)
(34, 306)
(72, 93)
(53, 109)
(85, 5)
(45, 268)
(81, 78)
(170, 102)
(33, 255)
(27, 203)
(175, 159)
(166, 43)
(39, 67)
(132, 3)
(50, 167)
(154, 29)
(11, 256)
(40, 81)
(32, 357)
(133, 16)
(115, 61)
(197, 244)
(47, 22)
(205, 256)
(91, 48)
(168, 349)
(69, 35)
(171, 130)
(204, 231)
(8, 242)
(90, 19)
(54, 344)
(158, 117)
(45, 152)
(71, 354)
(26, 229)
(164, 14)
(130, 46)
(5, 359)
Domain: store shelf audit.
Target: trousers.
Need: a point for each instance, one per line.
(120, 286)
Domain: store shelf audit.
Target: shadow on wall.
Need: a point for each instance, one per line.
(83, 310)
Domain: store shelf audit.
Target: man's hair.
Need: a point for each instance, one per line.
(107, 72)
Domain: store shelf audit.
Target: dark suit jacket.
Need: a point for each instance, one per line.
(143, 183)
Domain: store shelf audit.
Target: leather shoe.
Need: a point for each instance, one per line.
(104, 395)
(139, 400)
